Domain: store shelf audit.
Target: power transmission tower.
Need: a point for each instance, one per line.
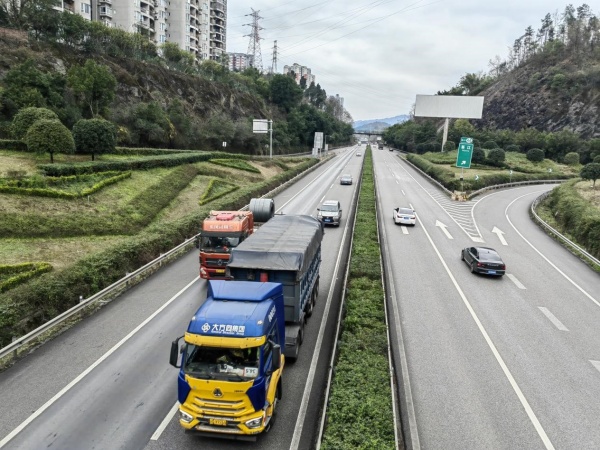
(254, 45)
(274, 63)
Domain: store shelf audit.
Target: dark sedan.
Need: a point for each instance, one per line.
(483, 260)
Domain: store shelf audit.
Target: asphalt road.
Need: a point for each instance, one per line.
(492, 363)
(106, 383)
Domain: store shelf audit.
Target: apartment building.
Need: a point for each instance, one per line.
(240, 61)
(198, 26)
(300, 72)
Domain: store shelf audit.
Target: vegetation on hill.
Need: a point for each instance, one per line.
(156, 96)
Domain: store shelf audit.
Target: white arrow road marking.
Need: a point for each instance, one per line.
(443, 227)
(514, 280)
(596, 364)
(553, 319)
(404, 229)
(500, 234)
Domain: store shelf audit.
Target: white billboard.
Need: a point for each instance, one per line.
(451, 106)
(260, 126)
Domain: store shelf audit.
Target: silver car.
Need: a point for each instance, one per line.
(330, 213)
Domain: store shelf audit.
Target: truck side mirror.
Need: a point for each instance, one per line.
(276, 361)
(197, 242)
(174, 356)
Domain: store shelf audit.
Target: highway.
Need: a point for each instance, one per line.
(106, 383)
(492, 363)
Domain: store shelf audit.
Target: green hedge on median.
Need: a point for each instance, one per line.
(359, 413)
(12, 275)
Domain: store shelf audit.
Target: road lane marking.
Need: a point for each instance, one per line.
(83, 374)
(443, 228)
(540, 253)
(596, 364)
(507, 373)
(165, 422)
(514, 280)
(402, 190)
(500, 234)
(557, 323)
(404, 229)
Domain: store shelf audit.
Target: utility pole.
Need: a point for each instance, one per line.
(274, 63)
(254, 44)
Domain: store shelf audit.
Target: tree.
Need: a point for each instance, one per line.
(285, 92)
(496, 156)
(49, 136)
(22, 14)
(591, 171)
(461, 128)
(571, 158)
(478, 156)
(94, 85)
(150, 125)
(94, 136)
(26, 117)
(535, 155)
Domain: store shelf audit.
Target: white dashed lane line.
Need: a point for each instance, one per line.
(596, 364)
(557, 323)
(514, 280)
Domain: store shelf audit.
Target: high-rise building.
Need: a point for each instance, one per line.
(239, 61)
(300, 72)
(197, 26)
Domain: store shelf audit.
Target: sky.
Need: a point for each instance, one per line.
(378, 55)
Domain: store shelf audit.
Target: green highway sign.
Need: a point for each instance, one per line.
(465, 152)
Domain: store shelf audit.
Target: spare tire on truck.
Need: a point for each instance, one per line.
(262, 209)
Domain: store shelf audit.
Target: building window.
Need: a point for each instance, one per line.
(85, 8)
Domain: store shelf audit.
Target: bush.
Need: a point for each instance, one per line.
(94, 136)
(597, 159)
(496, 157)
(449, 146)
(512, 148)
(478, 156)
(571, 159)
(26, 117)
(489, 145)
(559, 82)
(49, 136)
(536, 155)
(9, 144)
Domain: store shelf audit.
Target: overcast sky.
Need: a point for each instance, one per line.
(379, 55)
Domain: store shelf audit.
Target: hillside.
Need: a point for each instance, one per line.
(548, 94)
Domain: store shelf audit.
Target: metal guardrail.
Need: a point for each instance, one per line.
(516, 183)
(553, 231)
(124, 282)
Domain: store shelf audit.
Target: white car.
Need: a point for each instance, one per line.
(405, 216)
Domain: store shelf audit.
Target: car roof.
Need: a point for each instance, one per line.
(488, 252)
(330, 202)
(346, 175)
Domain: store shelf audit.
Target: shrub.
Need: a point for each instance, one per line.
(478, 156)
(591, 171)
(571, 158)
(496, 157)
(94, 136)
(26, 117)
(597, 159)
(489, 145)
(559, 81)
(9, 144)
(512, 148)
(449, 146)
(49, 136)
(536, 155)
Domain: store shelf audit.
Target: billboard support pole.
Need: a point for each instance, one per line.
(270, 139)
(445, 138)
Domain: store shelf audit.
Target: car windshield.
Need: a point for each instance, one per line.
(219, 242)
(231, 364)
(346, 176)
(405, 211)
(329, 208)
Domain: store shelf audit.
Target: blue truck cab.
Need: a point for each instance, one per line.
(231, 360)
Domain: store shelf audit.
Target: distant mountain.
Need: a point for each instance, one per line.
(373, 126)
(388, 121)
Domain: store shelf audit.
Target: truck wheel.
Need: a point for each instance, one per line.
(301, 335)
(311, 304)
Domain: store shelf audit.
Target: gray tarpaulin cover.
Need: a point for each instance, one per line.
(285, 242)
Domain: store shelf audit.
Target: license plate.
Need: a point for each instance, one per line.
(406, 218)
(220, 422)
(492, 272)
(220, 271)
(327, 220)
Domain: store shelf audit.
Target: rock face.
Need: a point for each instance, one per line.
(547, 97)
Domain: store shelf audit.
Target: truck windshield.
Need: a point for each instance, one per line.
(231, 364)
(221, 243)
